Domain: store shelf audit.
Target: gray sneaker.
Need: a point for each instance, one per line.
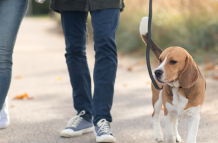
(103, 132)
(77, 126)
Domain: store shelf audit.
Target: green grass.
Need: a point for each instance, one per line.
(191, 24)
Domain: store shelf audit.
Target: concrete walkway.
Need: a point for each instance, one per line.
(40, 71)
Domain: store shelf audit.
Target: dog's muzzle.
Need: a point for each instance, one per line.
(158, 73)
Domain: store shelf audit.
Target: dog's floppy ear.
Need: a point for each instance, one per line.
(189, 74)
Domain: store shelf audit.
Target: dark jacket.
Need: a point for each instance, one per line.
(85, 5)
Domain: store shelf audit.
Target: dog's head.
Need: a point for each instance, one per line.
(176, 64)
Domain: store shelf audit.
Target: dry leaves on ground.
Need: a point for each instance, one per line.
(24, 96)
(148, 82)
(12, 106)
(209, 67)
(121, 55)
(142, 62)
(19, 77)
(58, 79)
(125, 85)
(215, 77)
(129, 68)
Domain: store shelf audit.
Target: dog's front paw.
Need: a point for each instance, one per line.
(178, 138)
(158, 135)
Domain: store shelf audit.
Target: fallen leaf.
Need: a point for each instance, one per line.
(129, 68)
(209, 67)
(58, 79)
(142, 62)
(148, 82)
(19, 77)
(121, 55)
(215, 77)
(23, 96)
(216, 67)
(12, 106)
(125, 85)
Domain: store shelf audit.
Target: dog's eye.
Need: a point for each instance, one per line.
(172, 62)
(160, 60)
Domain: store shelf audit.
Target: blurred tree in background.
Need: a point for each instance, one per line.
(191, 24)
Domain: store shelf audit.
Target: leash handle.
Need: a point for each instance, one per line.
(148, 48)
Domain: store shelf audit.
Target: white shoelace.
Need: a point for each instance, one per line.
(104, 126)
(74, 122)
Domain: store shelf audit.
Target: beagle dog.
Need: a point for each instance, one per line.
(183, 90)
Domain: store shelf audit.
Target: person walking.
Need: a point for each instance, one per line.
(105, 16)
(11, 15)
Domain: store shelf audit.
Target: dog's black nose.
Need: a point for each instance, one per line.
(158, 73)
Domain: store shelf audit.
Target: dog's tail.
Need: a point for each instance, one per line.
(144, 34)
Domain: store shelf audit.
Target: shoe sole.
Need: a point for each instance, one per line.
(68, 133)
(4, 126)
(105, 138)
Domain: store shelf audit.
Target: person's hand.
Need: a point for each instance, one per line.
(40, 1)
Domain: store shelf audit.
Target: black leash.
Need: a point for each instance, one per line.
(148, 48)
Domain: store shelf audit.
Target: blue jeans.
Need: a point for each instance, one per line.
(105, 24)
(11, 15)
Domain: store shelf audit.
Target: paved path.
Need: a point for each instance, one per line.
(39, 58)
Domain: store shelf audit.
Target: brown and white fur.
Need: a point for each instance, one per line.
(183, 90)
